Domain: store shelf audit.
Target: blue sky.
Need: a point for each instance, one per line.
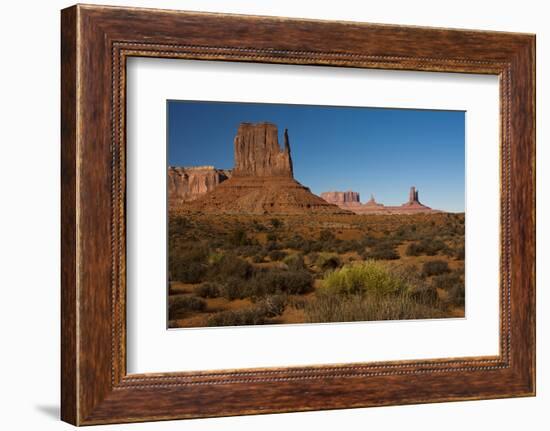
(369, 150)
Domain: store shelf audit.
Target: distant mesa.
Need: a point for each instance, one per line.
(188, 184)
(261, 182)
(350, 200)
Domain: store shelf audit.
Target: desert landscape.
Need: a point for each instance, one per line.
(251, 245)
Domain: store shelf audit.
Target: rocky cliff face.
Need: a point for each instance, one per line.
(342, 198)
(257, 152)
(188, 184)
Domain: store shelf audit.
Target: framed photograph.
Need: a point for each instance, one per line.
(264, 215)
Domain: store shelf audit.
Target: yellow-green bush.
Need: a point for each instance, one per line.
(367, 277)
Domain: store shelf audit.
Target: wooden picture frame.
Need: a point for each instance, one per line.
(95, 43)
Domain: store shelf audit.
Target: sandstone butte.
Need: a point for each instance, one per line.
(261, 182)
(350, 200)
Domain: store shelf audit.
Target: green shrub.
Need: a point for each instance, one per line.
(295, 262)
(435, 267)
(425, 247)
(272, 245)
(297, 243)
(209, 289)
(257, 226)
(259, 258)
(327, 261)
(349, 245)
(247, 250)
(382, 251)
(273, 305)
(178, 226)
(229, 265)
(239, 237)
(276, 223)
(234, 288)
(215, 257)
(180, 305)
(191, 272)
(187, 262)
(447, 280)
(277, 255)
(362, 278)
(459, 253)
(272, 237)
(456, 295)
(271, 281)
(368, 241)
(326, 236)
(247, 316)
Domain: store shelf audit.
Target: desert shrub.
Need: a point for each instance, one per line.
(188, 262)
(234, 288)
(447, 280)
(326, 236)
(315, 246)
(456, 294)
(187, 272)
(348, 245)
(361, 278)
(424, 294)
(257, 226)
(277, 255)
(295, 262)
(247, 250)
(215, 257)
(276, 223)
(272, 245)
(239, 237)
(311, 257)
(352, 308)
(327, 261)
(435, 267)
(229, 265)
(260, 257)
(425, 247)
(381, 251)
(180, 305)
(209, 289)
(297, 302)
(247, 316)
(273, 305)
(178, 226)
(368, 241)
(296, 243)
(271, 281)
(272, 237)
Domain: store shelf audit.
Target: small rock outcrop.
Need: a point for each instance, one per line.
(189, 183)
(350, 200)
(342, 198)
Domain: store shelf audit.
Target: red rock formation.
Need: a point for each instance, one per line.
(262, 181)
(187, 184)
(258, 154)
(342, 198)
(413, 206)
